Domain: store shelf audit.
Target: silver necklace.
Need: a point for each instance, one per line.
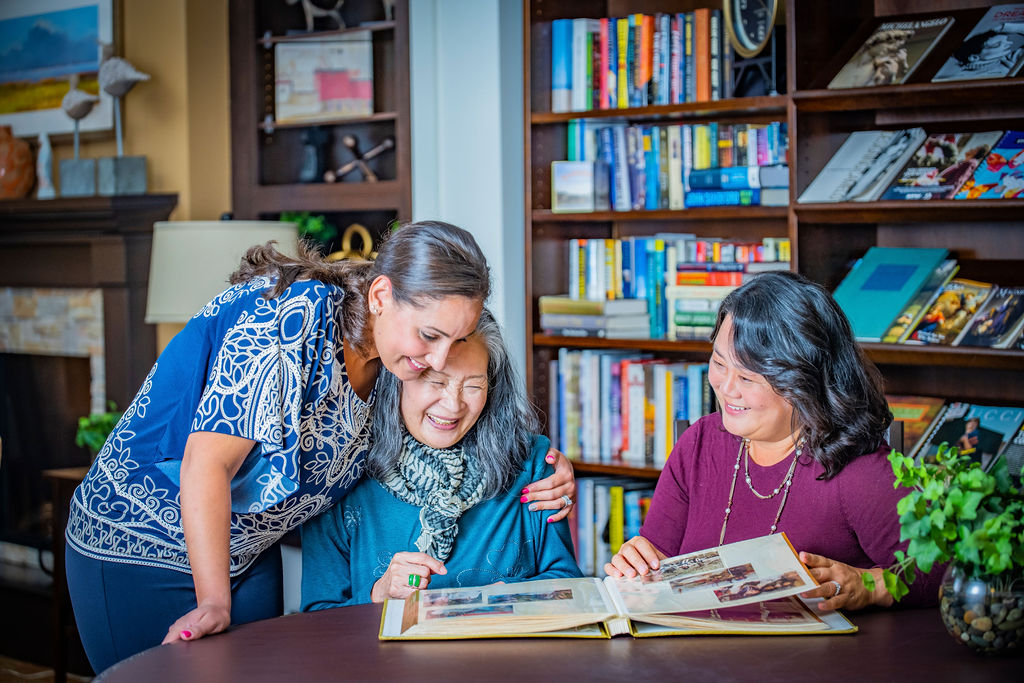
(783, 487)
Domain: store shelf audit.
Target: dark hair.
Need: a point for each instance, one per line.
(424, 260)
(792, 332)
(502, 437)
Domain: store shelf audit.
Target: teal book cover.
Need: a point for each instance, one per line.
(879, 286)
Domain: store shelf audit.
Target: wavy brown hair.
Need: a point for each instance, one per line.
(426, 260)
(793, 333)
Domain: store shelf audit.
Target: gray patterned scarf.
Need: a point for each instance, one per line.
(444, 483)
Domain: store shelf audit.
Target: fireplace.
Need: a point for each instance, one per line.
(73, 276)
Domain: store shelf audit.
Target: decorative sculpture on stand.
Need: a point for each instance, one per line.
(120, 175)
(44, 169)
(360, 159)
(314, 11)
(77, 176)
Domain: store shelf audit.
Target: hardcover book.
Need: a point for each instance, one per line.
(946, 319)
(941, 165)
(880, 285)
(324, 80)
(891, 53)
(749, 587)
(1001, 174)
(998, 322)
(978, 431)
(993, 49)
(864, 166)
(556, 303)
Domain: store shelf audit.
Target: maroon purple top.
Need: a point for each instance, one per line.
(850, 518)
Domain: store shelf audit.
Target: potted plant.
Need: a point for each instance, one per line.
(93, 429)
(973, 519)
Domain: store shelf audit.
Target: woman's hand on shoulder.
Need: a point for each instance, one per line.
(852, 594)
(406, 574)
(636, 556)
(204, 620)
(547, 494)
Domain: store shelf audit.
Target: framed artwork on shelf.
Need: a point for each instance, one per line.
(324, 80)
(43, 43)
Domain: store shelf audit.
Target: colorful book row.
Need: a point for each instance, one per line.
(639, 60)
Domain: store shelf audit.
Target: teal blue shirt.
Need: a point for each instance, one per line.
(346, 549)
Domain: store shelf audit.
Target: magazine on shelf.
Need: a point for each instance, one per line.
(946, 320)
(749, 587)
(998, 323)
(993, 49)
(917, 413)
(906, 321)
(979, 431)
(891, 53)
(1001, 174)
(864, 166)
(941, 165)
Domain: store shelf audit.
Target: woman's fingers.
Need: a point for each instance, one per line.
(202, 621)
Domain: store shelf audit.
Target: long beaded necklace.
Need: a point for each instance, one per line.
(783, 487)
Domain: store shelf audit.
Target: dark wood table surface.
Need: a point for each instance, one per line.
(341, 644)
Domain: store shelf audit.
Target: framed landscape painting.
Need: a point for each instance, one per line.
(42, 44)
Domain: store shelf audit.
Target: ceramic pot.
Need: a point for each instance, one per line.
(984, 613)
(17, 172)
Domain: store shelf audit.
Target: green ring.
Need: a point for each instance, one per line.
(414, 580)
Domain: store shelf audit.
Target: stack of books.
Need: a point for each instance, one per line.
(610, 318)
(910, 296)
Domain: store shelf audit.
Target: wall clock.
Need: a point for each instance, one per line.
(749, 24)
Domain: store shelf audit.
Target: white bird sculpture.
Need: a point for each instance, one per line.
(117, 76)
(77, 104)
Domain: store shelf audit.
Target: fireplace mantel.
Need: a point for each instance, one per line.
(101, 242)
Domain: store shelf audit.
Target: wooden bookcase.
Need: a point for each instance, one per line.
(986, 237)
(267, 156)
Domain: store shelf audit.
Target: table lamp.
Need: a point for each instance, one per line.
(192, 261)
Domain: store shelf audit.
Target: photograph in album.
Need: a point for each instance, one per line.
(748, 587)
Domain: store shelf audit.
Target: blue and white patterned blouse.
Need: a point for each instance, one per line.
(266, 370)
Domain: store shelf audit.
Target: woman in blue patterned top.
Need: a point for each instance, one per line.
(451, 453)
(254, 419)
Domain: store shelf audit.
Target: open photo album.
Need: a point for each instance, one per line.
(748, 587)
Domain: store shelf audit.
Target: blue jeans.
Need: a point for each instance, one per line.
(122, 609)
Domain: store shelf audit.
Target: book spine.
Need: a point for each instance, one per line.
(715, 53)
(734, 178)
(561, 65)
(700, 198)
(702, 53)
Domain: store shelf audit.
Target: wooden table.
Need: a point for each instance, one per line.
(341, 644)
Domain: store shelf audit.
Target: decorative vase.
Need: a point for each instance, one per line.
(17, 172)
(984, 613)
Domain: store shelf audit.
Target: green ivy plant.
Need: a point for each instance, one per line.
(93, 429)
(314, 228)
(957, 512)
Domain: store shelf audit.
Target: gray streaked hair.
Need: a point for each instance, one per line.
(502, 437)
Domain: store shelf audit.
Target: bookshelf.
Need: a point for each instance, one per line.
(267, 155)
(986, 237)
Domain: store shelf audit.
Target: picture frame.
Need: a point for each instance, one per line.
(324, 80)
(42, 42)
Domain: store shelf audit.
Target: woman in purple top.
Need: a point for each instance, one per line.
(797, 446)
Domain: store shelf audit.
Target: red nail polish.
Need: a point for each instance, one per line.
(523, 499)
(526, 490)
(186, 634)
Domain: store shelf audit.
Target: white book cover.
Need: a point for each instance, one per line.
(864, 166)
(993, 49)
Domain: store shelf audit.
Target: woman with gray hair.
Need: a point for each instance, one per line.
(452, 452)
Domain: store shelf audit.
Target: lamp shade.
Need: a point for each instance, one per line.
(192, 260)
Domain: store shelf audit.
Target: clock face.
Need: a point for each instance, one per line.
(749, 23)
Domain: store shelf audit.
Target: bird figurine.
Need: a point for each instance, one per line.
(77, 104)
(117, 76)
